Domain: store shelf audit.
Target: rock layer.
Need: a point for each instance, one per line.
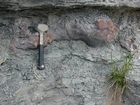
(93, 30)
(26, 4)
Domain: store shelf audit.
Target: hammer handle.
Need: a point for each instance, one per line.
(41, 65)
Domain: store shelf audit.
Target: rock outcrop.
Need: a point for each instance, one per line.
(82, 37)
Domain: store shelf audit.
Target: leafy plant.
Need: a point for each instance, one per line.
(118, 82)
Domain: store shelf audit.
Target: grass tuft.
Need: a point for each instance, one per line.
(118, 82)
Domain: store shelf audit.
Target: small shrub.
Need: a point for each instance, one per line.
(118, 82)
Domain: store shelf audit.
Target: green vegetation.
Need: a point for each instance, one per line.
(118, 82)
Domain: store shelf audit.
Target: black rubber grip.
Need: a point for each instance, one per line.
(41, 65)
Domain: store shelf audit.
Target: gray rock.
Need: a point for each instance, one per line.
(75, 72)
(26, 4)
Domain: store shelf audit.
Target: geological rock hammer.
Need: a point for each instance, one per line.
(41, 29)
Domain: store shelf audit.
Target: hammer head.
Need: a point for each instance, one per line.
(42, 28)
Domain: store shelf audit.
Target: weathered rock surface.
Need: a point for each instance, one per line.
(75, 75)
(26, 4)
(71, 76)
(129, 45)
(92, 31)
(79, 44)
